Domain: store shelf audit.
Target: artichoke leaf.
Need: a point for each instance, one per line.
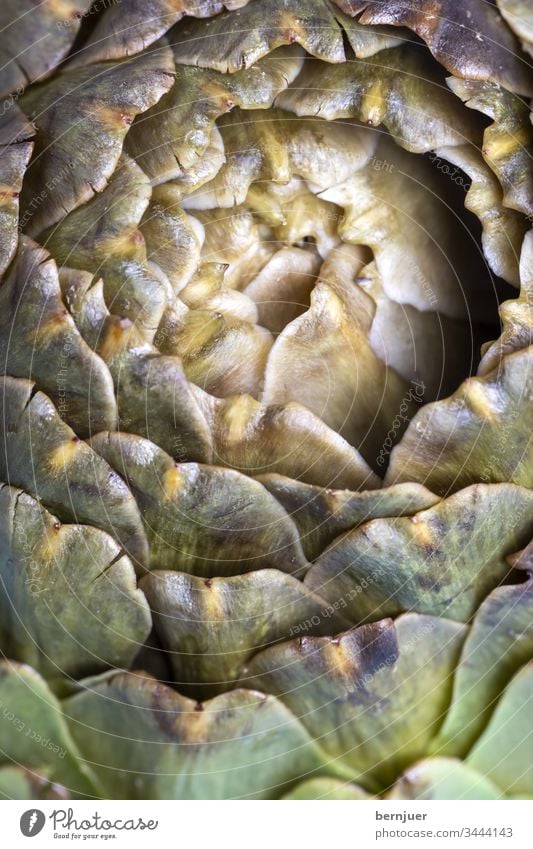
(441, 562)
(147, 21)
(173, 238)
(33, 731)
(69, 601)
(500, 641)
(43, 456)
(276, 147)
(468, 38)
(393, 204)
(84, 298)
(202, 519)
(518, 15)
(39, 340)
(207, 290)
(373, 697)
(82, 117)
(172, 137)
(481, 433)
(16, 145)
(154, 398)
(19, 783)
(326, 788)
(283, 439)
(324, 360)
(321, 515)
(516, 316)
(282, 289)
(400, 88)
(103, 237)
(443, 778)
(234, 41)
(35, 38)
(503, 228)
(146, 741)
(501, 753)
(507, 142)
(210, 628)
(223, 355)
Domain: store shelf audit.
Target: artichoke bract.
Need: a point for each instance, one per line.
(266, 465)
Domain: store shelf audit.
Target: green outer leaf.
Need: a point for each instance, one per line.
(154, 398)
(84, 298)
(287, 440)
(33, 731)
(202, 519)
(467, 38)
(443, 778)
(503, 752)
(503, 228)
(43, 456)
(233, 41)
(82, 118)
(401, 88)
(147, 20)
(103, 237)
(516, 316)
(39, 340)
(323, 514)
(35, 38)
(211, 628)
(171, 137)
(499, 643)
(507, 143)
(441, 562)
(145, 741)
(16, 145)
(373, 697)
(481, 433)
(69, 601)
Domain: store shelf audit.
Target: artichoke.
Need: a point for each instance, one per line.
(266, 471)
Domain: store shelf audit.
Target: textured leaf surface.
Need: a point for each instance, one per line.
(202, 519)
(146, 22)
(148, 742)
(172, 136)
(507, 142)
(69, 600)
(481, 433)
(503, 751)
(42, 455)
(400, 88)
(499, 643)
(33, 730)
(82, 118)
(211, 628)
(374, 697)
(16, 145)
(287, 440)
(35, 38)
(441, 562)
(467, 38)
(39, 340)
